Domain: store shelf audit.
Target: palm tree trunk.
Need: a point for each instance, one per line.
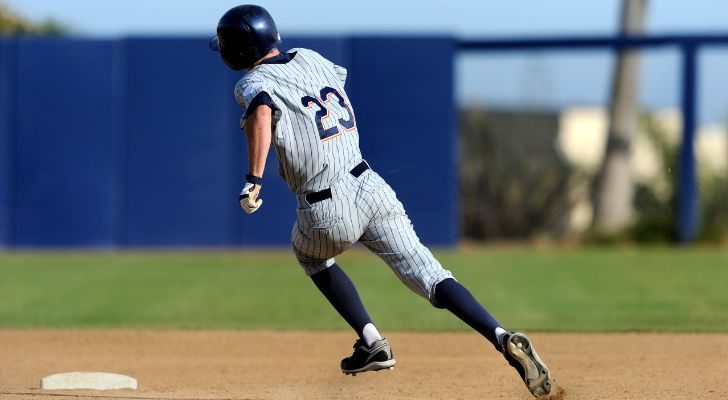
(614, 187)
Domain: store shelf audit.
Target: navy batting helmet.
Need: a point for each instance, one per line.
(245, 34)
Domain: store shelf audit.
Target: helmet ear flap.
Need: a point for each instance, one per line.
(235, 59)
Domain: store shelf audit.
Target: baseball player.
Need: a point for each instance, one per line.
(296, 102)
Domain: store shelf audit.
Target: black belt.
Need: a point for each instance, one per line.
(322, 195)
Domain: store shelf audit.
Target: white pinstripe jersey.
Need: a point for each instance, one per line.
(314, 128)
(317, 143)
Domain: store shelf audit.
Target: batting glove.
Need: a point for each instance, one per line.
(249, 195)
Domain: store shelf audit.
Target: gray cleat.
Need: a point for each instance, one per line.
(374, 358)
(521, 354)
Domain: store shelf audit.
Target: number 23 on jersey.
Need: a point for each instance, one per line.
(323, 114)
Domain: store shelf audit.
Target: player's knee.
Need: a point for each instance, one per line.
(436, 304)
(439, 285)
(438, 290)
(425, 284)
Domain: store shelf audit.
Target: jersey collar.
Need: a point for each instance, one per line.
(279, 59)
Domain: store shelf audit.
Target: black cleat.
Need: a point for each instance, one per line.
(521, 355)
(374, 358)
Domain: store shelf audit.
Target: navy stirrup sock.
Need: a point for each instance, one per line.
(342, 294)
(453, 296)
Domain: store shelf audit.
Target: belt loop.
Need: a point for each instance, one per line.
(360, 168)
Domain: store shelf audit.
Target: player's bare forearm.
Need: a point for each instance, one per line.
(258, 134)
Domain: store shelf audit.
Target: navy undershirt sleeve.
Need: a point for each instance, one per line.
(262, 98)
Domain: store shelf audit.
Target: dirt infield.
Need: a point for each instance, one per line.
(304, 365)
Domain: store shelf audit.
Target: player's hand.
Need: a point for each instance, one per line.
(249, 195)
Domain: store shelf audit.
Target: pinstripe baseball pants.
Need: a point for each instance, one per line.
(364, 209)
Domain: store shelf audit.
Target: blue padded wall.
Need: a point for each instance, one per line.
(403, 98)
(63, 160)
(7, 116)
(136, 142)
(177, 158)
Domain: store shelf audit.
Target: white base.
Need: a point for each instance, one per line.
(88, 380)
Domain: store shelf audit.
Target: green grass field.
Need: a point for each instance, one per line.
(599, 289)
